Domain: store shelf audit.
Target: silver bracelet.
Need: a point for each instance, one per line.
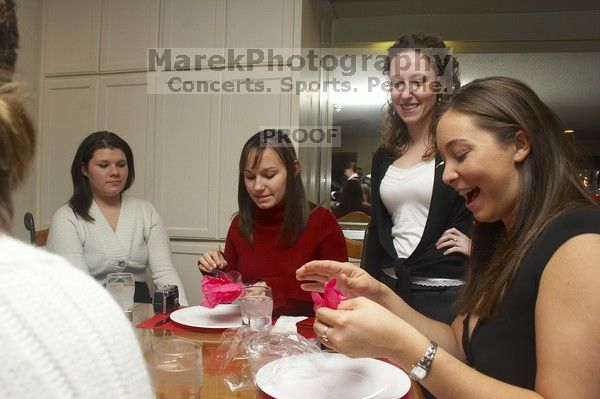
(420, 369)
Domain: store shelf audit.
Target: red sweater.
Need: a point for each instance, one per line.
(267, 260)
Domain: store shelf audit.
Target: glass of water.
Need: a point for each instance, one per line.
(122, 287)
(176, 367)
(257, 306)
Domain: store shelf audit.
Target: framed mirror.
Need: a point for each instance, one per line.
(552, 46)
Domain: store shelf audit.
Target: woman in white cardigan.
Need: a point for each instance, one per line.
(102, 230)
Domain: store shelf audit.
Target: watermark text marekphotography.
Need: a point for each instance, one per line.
(301, 136)
(284, 70)
(246, 59)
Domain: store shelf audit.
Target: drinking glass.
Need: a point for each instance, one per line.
(257, 306)
(176, 368)
(122, 287)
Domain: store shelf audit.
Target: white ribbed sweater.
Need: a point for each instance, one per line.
(62, 335)
(140, 241)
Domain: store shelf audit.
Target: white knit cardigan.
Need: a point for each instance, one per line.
(140, 241)
(62, 335)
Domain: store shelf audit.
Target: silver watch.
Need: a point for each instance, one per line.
(420, 369)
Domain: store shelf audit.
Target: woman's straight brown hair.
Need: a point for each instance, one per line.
(297, 208)
(548, 185)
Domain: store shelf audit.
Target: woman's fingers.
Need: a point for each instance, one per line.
(316, 273)
(313, 277)
(351, 280)
(454, 241)
(448, 235)
(222, 264)
(350, 304)
(327, 268)
(324, 333)
(451, 250)
(211, 260)
(446, 242)
(204, 266)
(345, 328)
(324, 270)
(312, 287)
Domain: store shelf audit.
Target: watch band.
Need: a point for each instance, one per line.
(420, 369)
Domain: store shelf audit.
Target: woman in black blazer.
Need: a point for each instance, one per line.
(416, 240)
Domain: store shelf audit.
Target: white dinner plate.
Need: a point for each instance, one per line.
(331, 376)
(221, 316)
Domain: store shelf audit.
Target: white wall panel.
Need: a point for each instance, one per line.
(192, 23)
(129, 28)
(259, 24)
(72, 36)
(187, 164)
(127, 110)
(69, 115)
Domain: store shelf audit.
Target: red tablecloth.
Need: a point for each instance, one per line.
(304, 327)
(171, 325)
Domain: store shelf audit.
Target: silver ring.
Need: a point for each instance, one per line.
(455, 242)
(324, 337)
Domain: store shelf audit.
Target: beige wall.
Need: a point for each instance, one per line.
(29, 16)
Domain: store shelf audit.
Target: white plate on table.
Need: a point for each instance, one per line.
(221, 316)
(331, 376)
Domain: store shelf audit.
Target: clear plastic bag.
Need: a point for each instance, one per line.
(246, 351)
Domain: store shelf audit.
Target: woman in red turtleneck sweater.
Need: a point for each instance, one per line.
(276, 231)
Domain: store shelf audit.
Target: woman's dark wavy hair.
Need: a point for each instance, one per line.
(548, 185)
(395, 137)
(81, 200)
(297, 208)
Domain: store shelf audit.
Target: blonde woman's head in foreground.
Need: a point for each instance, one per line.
(17, 146)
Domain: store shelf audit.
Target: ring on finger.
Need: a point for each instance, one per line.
(324, 336)
(455, 241)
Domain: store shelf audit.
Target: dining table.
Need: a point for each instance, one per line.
(214, 383)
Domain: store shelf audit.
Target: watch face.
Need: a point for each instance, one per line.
(418, 373)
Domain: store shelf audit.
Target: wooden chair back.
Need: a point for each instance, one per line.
(354, 248)
(355, 217)
(37, 238)
(354, 221)
(41, 236)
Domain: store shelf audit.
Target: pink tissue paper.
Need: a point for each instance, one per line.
(218, 290)
(331, 297)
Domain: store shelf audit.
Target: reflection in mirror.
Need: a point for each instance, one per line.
(567, 82)
(552, 46)
(358, 114)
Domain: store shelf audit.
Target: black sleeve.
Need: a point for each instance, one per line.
(373, 251)
(462, 219)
